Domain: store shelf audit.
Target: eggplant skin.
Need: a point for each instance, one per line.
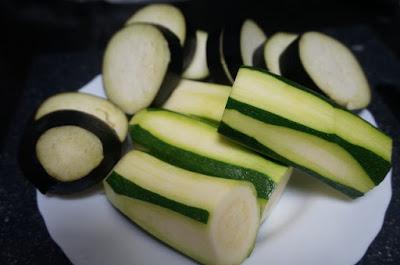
(292, 68)
(35, 172)
(258, 57)
(217, 73)
(175, 67)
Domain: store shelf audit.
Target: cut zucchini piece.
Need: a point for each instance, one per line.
(251, 37)
(96, 106)
(164, 15)
(294, 125)
(197, 68)
(213, 221)
(141, 66)
(68, 151)
(197, 146)
(201, 99)
(273, 49)
(324, 64)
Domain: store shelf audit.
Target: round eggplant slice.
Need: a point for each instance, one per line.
(251, 37)
(68, 151)
(164, 15)
(321, 62)
(267, 56)
(197, 68)
(238, 42)
(142, 65)
(96, 106)
(215, 61)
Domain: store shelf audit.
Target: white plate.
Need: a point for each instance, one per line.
(312, 224)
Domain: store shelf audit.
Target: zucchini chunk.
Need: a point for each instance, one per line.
(194, 98)
(296, 126)
(197, 68)
(251, 37)
(141, 66)
(196, 146)
(68, 151)
(213, 221)
(270, 52)
(164, 15)
(324, 64)
(96, 106)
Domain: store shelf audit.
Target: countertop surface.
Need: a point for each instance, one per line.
(53, 47)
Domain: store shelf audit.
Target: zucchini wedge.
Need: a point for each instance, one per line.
(164, 15)
(296, 126)
(194, 98)
(96, 106)
(326, 65)
(268, 55)
(213, 221)
(197, 68)
(68, 151)
(196, 146)
(142, 65)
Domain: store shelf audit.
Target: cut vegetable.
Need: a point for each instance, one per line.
(272, 50)
(294, 125)
(251, 37)
(320, 62)
(213, 221)
(215, 61)
(197, 67)
(141, 66)
(196, 146)
(68, 151)
(96, 106)
(164, 15)
(201, 99)
(238, 42)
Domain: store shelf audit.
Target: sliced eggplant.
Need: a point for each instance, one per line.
(142, 65)
(237, 43)
(269, 53)
(99, 107)
(215, 61)
(164, 15)
(68, 151)
(251, 37)
(197, 68)
(322, 63)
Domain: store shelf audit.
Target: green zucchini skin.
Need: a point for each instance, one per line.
(374, 165)
(203, 163)
(128, 188)
(35, 172)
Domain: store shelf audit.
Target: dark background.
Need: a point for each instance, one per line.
(52, 46)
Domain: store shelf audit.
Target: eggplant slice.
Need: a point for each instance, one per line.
(197, 68)
(68, 151)
(251, 37)
(321, 62)
(274, 47)
(142, 65)
(164, 15)
(97, 106)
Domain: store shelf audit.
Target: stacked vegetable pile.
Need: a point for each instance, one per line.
(210, 159)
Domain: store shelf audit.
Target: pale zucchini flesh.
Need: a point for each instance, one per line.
(274, 47)
(200, 99)
(198, 68)
(212, 220)
(251, 37)
(348, 152)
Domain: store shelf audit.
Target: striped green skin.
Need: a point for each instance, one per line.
(374, 164)
(128, 188)
(203, 163)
